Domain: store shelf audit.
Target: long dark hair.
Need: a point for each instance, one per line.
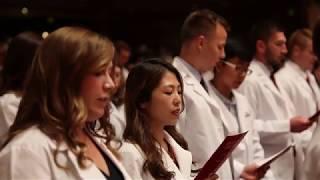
(18, 61)
(141, 82)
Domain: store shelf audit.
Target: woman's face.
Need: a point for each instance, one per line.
(164, 106)
(96, 90)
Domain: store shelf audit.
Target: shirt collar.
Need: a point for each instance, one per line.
(296, 68)
(193, 71)
(263, 67)
(225, 100)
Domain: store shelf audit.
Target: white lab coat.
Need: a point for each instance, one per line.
(293, 81)
(133, 159)
(273, 112)
(305, 100)
(312, 162)
(201, 122)
(249, 149)
(117, 119)
(30, 155)
(9, 104)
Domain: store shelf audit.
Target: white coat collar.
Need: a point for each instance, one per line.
(229, 120)
(263, 73)
(296, 69)
(92, 172)
(184, 158)
(190, 80)
(260, 68)
(299, 75)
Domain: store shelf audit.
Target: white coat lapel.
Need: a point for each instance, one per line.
(229, 120)
(183, 157)
(315, 88)
(67, 158)
(267, 82)
(243, 113)
(245, 124)
(298, 76)
(191, 82)
(112, 157)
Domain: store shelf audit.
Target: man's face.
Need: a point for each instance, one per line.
(213, 48)
(276, 50)
(232, 72)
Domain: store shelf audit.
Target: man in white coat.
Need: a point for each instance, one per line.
(228, 75)
(296, 80)
(274, 110)
(203, 39)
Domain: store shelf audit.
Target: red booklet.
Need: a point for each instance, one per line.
(315, 116)
(220, 155)
(266, 162)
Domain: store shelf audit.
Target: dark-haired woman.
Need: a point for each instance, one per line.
(153, 149)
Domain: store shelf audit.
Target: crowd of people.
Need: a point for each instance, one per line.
(74, 109)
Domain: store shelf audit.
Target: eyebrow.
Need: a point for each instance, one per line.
(172, 85)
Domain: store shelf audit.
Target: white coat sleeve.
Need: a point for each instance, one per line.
(7, 115)
(311, 162)
(24, 163)
(258, 153)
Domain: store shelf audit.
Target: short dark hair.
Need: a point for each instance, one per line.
(236, 47)
(201, 22)
(263, 31)
(316, 39)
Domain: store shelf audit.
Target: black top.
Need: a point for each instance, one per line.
(115, 173)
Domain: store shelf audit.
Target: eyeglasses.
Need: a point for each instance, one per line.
(239, 69)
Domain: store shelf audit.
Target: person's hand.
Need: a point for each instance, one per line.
(251, 172)
(212, 177)
(262, 171)
(299, 124)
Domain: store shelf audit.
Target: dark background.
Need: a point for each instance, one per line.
(152, 22)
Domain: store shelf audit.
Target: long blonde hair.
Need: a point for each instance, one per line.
(52, 99)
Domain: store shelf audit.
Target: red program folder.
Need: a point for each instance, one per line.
(220, 155)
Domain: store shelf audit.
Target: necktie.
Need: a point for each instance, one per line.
(203, 84)
(313, 93)
(273, 80)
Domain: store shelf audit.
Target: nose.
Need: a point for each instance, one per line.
(284, 49)
(109, 83)
(177, 100)
(223, 54)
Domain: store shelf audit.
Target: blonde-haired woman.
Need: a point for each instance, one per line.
(53, 136)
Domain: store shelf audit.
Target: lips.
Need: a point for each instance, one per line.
(176, 112)
(103, 99)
